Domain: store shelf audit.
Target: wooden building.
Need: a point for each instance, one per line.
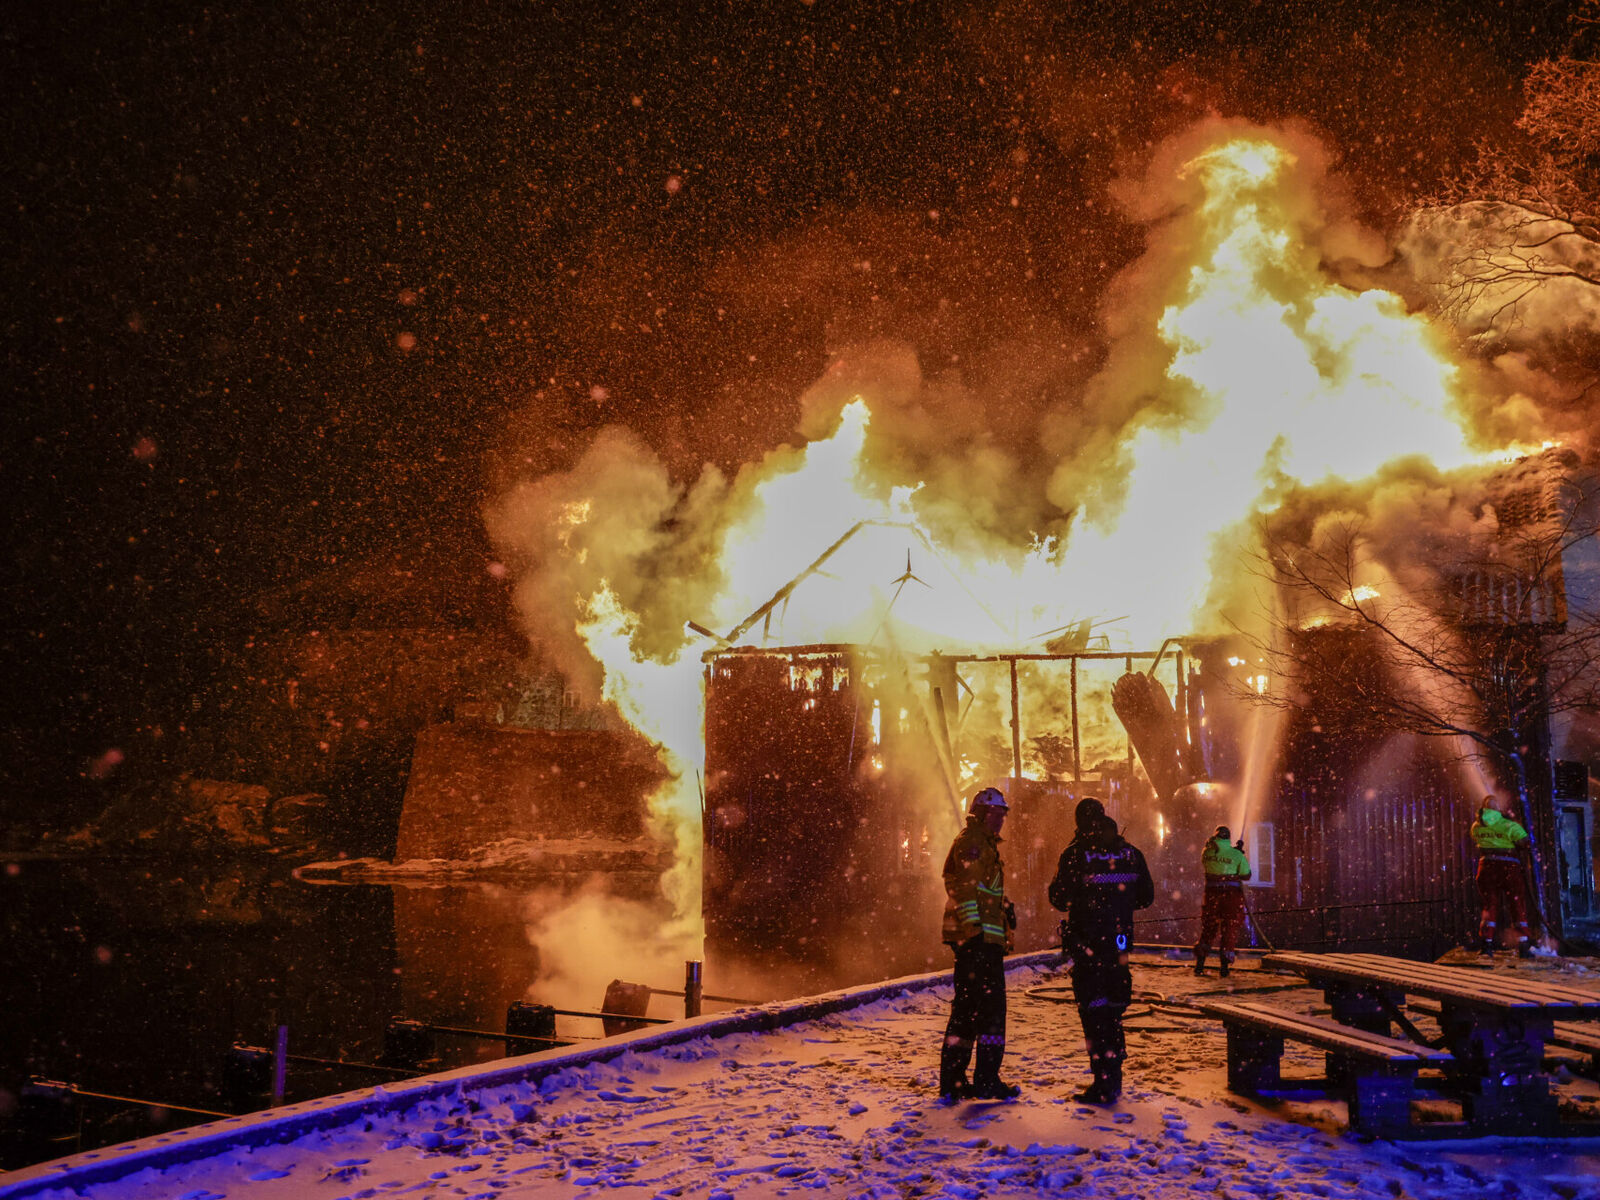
(830, 803)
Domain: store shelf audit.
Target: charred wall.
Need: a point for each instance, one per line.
(1363, 844)
(823, 841)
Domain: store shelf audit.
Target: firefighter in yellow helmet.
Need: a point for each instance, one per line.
(978, 920)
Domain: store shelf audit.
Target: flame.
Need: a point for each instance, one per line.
(664, 701)
(571, 515)
(1520, 450)
(1281, 376)
(1277, 376)
(805, 502)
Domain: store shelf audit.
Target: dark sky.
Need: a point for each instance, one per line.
(290, 283)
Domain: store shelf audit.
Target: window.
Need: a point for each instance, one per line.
(1259, 847)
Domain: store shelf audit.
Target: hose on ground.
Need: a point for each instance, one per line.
(1150, 1004)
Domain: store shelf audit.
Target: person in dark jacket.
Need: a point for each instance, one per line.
(978, 920)
(1100, 881)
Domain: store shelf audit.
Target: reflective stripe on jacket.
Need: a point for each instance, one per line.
(1100, 880)
(975, 886)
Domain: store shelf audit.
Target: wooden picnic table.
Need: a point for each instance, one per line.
(1494, 1025)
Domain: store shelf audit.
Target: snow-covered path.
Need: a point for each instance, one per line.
(843, 1106)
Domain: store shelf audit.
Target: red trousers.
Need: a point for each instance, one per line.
(1502, 894)
(1224, 906)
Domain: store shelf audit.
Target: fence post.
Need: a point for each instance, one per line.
(280, 1065)
(693, 987)
(530, 1020)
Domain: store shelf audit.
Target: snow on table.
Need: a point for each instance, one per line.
(844, 1106)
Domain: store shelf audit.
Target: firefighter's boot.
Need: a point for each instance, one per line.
(1199, 961)
(953, 1059)
(1113, 1080)
(1107, 1085)
(1223, 964)
(1525, 948)
(986, 1081)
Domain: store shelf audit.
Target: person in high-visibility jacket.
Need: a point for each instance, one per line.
(1226, 869)
(978, 920)
(1500, 843)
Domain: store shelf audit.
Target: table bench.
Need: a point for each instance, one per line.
(1569, 1035)
(1494, 1024)
(1374, 1074)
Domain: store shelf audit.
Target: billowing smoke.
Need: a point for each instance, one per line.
(589, 939)
(1507, 274)
(1250, 366)
(1520, 290)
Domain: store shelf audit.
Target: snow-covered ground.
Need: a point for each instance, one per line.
(843, 1105)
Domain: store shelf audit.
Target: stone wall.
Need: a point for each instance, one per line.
(473, 783)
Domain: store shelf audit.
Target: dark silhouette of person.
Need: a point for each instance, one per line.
(1100, 880)
(978, 920)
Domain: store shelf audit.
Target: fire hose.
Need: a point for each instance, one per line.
(1148, 1003)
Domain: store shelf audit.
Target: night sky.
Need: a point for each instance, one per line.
(297, 286)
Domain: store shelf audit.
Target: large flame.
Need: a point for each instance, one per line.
(1280, 376)
(1277, 375)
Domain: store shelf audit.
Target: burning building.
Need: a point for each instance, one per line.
(831, 798)
(1350, 752)
(823, 746)
(837, 776)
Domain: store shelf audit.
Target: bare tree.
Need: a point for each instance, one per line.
(1482, 650)
(1526, 213)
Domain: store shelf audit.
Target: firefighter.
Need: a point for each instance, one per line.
(978, 920)
(1226, 869)
(1100, 880)
(1500, 843)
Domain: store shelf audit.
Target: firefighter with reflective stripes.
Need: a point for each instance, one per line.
(1226, 869)
(1500, 843)
(978, 920)
(1100, 880)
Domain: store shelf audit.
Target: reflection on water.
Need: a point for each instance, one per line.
(134, 978)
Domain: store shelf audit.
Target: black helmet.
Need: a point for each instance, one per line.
(1088, 813)
(1221, 831)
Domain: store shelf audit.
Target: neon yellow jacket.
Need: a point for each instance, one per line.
(975, 884)
(1493, 831)
(1224, 862)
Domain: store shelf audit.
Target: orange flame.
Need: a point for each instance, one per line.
(1276, 374)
